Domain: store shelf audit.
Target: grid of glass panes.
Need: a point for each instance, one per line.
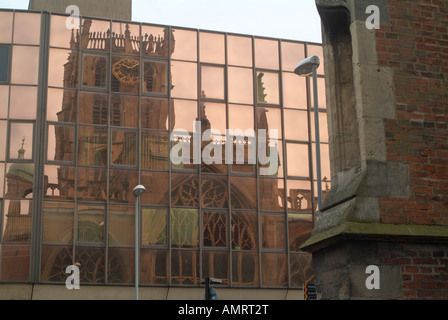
(116, 92)
(19, 49)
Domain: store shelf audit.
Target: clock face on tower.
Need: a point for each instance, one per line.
(126, 70)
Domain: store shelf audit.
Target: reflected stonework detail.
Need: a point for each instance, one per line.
(120, 97)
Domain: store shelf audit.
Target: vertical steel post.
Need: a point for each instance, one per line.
(317, 136)
(136, 248)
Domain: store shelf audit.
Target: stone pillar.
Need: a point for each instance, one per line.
(111, 9)
(353, 231)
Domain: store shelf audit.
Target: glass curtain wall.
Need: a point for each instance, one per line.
(130, 103)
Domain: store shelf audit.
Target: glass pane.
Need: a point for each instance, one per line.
(3, 137)
(119, 265)
(273, 230)
(6, 27)
(156, 264)
(212, 47)
(272, 194)
(55, 260)
(299, 196)
(155, 41)
(156, 184)
(94, 71)
(27, 28)
(212, 82)
(62, 105)
(273, 269)
(241, 85)
(269, 119)
(154, 226)
(90, 224)
(184, 77)
(17, 217)
(213, 141)
(91, 184)
(239, 51)
(216, 264)
(126, 38)
(96, 35)
(91, 262)
(25, 65)
(292, 54)
(185, 45)
(298, 160)
(270, 160)
(124, 148)
(324, 160)
(93, 108)
(124, 111)
(216, 115)
(19, 180)
(296, 125)
(125, 74)
(60, 35)
(243, 192)
(62, 71)
(245, 269)
(92, 146)
(301, 268)
(321, 94)
(214, 229)
(244, 226)
(267, 88)
(15, 262)
(23, 103)
(294, 91)
(184, 228)
(155, 153)
(121, 226)
(121, 184)
(5, 61)
(241, 117)
(185, 267)
(214, 191)
(57, 222)
(266, 54)
(323, 127)
(300, 227)
(59, 182)
(4, 101)
(155, 77)
(185, 114)
(244, 150)
(317, 50)
(184, 190)
(21, 141)
(154, 114)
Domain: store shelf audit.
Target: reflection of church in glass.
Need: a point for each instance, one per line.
(115, 134)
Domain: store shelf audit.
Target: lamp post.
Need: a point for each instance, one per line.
(305, 68)
(137, 192)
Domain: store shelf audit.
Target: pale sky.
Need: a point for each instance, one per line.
(284, 19)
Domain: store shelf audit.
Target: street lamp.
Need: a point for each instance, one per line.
(305, 68)
(137, 192)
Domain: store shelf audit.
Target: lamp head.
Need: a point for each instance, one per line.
(138, 190)
(305, 67)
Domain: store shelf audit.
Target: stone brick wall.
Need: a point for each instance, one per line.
(389, 208)
(423, 268)
(415, 46)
